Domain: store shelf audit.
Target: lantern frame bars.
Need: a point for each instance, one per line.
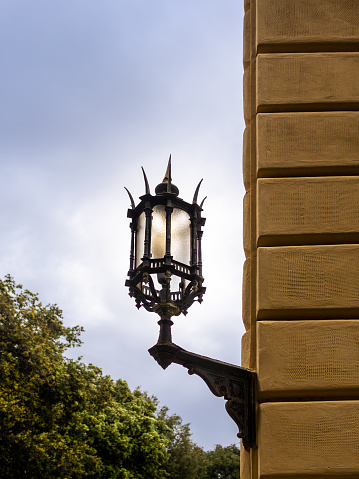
(165, 302)
(235, 384)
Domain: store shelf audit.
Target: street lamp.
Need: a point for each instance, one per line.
(165, 277)
(165, 274)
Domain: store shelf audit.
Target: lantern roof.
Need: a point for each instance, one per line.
(165, 191)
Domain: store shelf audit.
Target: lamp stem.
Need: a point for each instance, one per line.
(165, 324)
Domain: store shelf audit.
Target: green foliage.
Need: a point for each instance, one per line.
(223, 462)
(188, 461)
(60, 418)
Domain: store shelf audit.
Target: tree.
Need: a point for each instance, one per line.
(223, 462)
(60, 418)
(186, 460)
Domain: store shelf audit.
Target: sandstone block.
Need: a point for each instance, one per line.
(308, 210)
(247, 94)
(245, 466)
(246, 39)
(305, 282)
(246, 294)
(316, 439)
(308, 143)
(307, 81)
(246, 224)
(246, 158)
(303, 24)
(308, 359)
(246, 348)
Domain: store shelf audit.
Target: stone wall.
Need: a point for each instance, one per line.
(301, 236)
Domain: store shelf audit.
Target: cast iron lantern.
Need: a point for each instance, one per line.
(165, 274)
(165, 277)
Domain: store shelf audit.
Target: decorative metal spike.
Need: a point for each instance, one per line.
(131, 199)
(195, 196)
(201, 205)
(146, 182)
(167, 177)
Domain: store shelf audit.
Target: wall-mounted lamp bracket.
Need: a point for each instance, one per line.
(234, 383)
(165, 277)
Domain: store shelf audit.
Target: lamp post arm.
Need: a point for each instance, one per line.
(234, 383)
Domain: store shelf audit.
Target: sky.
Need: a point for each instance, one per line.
(91, 91)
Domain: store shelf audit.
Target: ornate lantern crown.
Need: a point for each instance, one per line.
(165, 274)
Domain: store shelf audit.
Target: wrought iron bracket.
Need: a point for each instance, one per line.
(234, 383)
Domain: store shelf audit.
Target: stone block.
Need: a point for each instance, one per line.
(307, 81)
(291, 144)
(318, 439)
(306, 282)
(246, 39)
(308, 359)
(247, 94)
(246, 158)
(245, 465)
(302, 25)
(246, 349)
(322, 210)
(246, 294)
(247, 224)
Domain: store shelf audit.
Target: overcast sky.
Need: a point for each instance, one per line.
(90, 92)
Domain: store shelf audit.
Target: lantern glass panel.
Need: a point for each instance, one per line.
(180, 236)
(140, 238)
(158, 233)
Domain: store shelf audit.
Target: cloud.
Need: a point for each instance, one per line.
(90, 93)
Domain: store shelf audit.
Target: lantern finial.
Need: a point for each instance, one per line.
(201, 205)
(131, 198)
(167, 178)
(167, 186)
(147, 186)
(195, 196)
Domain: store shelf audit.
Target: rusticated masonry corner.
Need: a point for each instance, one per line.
(301, 236)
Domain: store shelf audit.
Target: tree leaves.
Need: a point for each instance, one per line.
(60, 418)
(63, 419)
(187, 460)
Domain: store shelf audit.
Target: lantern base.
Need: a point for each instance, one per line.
(234, 383)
